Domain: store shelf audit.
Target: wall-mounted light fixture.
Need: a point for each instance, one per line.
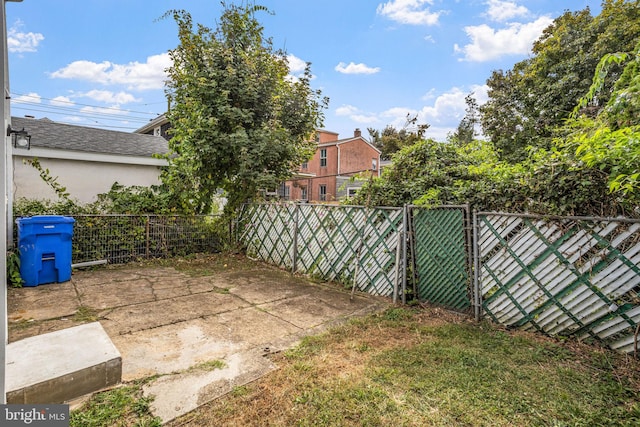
(19, 138)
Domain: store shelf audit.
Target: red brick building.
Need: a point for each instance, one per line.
(329, 175)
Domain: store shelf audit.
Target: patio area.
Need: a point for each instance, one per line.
(173, 320)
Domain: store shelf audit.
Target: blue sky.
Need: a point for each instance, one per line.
(100, 62)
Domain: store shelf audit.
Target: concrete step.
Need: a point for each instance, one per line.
(62, 365)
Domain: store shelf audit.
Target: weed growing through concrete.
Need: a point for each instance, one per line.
(210, 365)
(85, 314)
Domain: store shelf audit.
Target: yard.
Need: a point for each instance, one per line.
(431, 367)
(416, 366)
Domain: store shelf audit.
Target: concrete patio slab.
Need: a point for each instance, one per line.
(120, 293)
(137, 317)
(48, 302)
(168, 324)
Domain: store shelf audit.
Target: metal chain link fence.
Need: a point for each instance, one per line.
(118, 239)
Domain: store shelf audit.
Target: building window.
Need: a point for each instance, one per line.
(323, 157)
(374, 164)
(351, 191)
(305, 165)
(323, 192)
(303, 193)
(287, 192)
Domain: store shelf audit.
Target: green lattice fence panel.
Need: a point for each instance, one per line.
(441, 255)
(567, 276)
(335, 242)
(268, 233)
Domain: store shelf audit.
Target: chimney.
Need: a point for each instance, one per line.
(357, 133)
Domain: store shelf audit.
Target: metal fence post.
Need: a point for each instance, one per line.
(477, 303)
(404, 254)
(396, 282)
(147, 237)
(294, 258)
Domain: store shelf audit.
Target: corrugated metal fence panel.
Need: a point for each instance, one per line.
(566, 276)
(333, 242)
(441, 254)
(268, 233)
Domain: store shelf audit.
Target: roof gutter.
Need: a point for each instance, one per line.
(48, 153)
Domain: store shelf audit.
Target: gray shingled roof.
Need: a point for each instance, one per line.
(48, 134)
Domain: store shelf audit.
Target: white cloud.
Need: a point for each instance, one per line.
(449, 108)
(502, 11)
(488, 44)
(115, 109)
(135, 75)
(353, 68)
(75, 119)
(365, 118)
(412, 12)
(357, 115)
(429, 95)
(346, 110)
(296, 65)
(61, 101)
(32, 97)
(480, 93)
(442, 115)
(109, 97)
(20, 42)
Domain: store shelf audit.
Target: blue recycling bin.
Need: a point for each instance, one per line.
(44, 242)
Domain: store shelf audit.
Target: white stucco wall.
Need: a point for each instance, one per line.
(83, 179)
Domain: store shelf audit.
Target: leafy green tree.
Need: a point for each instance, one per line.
(610, 143)
(390, 140)
(239, 121)
(503, 116)
(528, 103)
(432, 173)
(466, 130)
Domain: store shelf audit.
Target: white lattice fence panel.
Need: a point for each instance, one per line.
(572, 276)
(267, 231)
(334, 243)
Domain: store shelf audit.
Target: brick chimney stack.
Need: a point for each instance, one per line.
(357, 133)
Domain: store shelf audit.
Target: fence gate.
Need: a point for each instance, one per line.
(442, 257)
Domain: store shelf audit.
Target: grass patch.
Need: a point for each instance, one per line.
(210, 365)
(417, 367)
(123, 406)
(85, 314)
(23, 324)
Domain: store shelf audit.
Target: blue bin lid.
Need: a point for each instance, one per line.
(45, 219)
